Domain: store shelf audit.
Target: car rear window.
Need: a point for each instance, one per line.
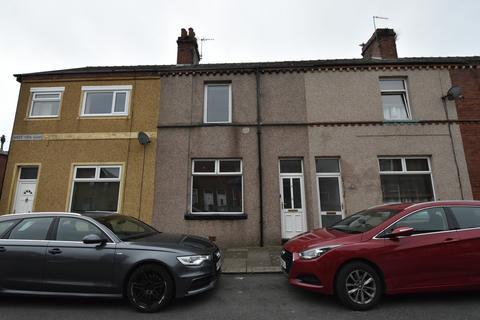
(467, 217)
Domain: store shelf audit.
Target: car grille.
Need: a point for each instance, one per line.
(287, 257)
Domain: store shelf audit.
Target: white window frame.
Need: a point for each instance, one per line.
(45, 90)
(106, 89)
(403, 92)
(96, 179)
(216, 173)
(205, 104)
(404, 169)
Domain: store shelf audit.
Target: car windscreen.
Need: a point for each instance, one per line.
(126, 228)
(364, 221)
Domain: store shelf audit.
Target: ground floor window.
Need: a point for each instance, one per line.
(95, 188)
(406, 179)
(217, 186)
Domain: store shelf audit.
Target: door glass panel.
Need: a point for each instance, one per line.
(290, 166)
(327, 165)
(287, 195)
(71, 229)
(329, 194)
(28, 173)
(330, 219)
(297, 194)
(31, 229)
(429, 220)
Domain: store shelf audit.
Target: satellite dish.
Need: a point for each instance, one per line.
(143, 138)
(454, 93)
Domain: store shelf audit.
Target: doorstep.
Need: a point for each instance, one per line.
(252, 260)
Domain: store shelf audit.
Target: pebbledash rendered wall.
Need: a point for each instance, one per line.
(304, 115)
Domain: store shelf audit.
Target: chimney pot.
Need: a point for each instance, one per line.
(187, 52)
(381, 45)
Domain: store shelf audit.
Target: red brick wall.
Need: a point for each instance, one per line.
(3, 166)
(469, 108)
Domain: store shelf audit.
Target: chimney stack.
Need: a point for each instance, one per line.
(381, 45)
(187, 48)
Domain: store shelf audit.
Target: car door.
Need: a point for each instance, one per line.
(467, 219)
(426, 259)
(22, 254)
(73, 266)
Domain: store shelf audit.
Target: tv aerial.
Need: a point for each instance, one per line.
(202, 40)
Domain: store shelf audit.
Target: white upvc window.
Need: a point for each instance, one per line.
(105, 101)
(395, 99)
(217, 103)
(406, 179)
(217, 186)
(45, 102)
(95, 188)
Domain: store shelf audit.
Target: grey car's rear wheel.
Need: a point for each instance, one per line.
(150, 288)
(359, 286)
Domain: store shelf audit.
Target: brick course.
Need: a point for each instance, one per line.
(468, 108)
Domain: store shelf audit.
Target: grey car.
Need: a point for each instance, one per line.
(103, 255)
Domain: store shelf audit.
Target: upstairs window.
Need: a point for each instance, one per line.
(394, 99)
(45, 102)
(406, 179)
(218, 103)
(105, 100)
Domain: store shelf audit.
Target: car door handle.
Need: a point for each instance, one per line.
(2, 249)
(55, 251)
(449, 240)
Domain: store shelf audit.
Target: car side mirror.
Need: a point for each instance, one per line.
(400, 232)
(94, 239)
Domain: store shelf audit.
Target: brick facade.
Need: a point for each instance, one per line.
(468, 108)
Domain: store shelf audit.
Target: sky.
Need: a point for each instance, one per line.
(41, 35)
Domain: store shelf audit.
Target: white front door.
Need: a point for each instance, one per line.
(25, 192)
(292, 198)
(25, 197)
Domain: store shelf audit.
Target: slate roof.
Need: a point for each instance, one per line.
(280, 66)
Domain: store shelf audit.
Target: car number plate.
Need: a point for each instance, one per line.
(283, 264)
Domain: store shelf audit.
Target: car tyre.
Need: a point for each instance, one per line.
(150, 288)
(359, 286)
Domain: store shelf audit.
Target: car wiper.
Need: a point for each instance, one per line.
(138, 236)
(345, 230)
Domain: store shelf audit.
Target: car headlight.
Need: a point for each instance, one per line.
(316, 252)
(193, 260)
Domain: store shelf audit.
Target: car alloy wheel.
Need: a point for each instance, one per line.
(358, 286)
(361, 287)
(149, 288)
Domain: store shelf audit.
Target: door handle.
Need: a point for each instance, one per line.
(449, 240)
(55, 251)
(2, 249)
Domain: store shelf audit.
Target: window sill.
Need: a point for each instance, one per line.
(215, 216)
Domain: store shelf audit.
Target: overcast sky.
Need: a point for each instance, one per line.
(56, 34)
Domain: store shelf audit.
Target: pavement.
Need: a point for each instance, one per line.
(252, 260)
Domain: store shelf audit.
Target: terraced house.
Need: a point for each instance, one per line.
(245, 153)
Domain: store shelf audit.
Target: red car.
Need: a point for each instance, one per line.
(389, 249)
